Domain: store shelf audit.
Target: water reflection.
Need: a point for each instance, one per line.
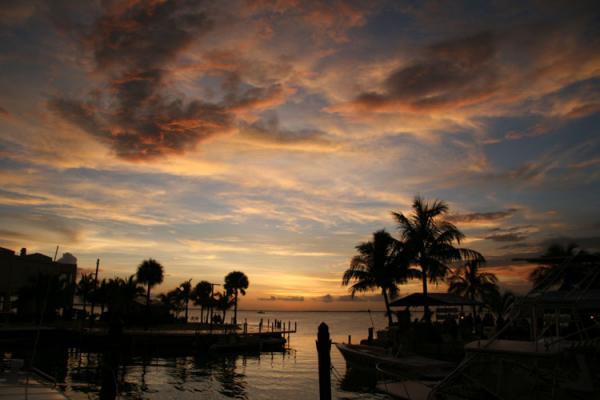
(233, 383)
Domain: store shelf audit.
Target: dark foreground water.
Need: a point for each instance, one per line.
(290, 375)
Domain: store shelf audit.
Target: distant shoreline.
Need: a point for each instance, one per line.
(319, 311)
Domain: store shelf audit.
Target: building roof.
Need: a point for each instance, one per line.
(432, 299)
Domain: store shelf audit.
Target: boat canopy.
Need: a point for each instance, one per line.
(432, 299)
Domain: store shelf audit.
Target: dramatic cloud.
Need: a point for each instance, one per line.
(138, 112)
(268, 131)
(452, 73)
(481, 217)
(490, 67)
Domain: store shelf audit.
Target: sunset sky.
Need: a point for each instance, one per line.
(273, 136)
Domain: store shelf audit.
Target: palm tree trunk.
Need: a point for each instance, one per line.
(201, 314)
(387, 306)
(235, 309)
(186, 310)
(147, 308)
(426, 315)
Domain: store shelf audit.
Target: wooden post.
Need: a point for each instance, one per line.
(349, 339)
(295, 326)
(370, 334)
(324, 353)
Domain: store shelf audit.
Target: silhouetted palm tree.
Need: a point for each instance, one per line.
(185, 292)
(202, 296)
(380, 264)
(85, 287)
(223, 302)
(151, 273)
(468, 281)
(431, 241)
(99, 295)
(121, 293)
(499, 303)
(173, 300)
(566, 268)
(236, 282)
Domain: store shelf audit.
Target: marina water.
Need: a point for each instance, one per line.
(289, 375)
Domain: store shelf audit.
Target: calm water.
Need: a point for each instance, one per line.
(289, 375)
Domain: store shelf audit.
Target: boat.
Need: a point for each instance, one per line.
(369, 358)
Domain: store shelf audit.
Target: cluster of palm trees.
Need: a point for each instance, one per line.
(119, 294)
(427, 248)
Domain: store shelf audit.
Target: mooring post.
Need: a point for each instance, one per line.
(324, 352)
(295, 325)
(370, 339)
(349, 339)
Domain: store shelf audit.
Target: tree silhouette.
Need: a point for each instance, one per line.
(223, 302)
(236, 282)
(121, 293)
(185, 292)
(379, 264)
(566, 268)
(499, 303)
(431, 241)
(173, 300)
(468, 281)
(85, 287)
(150, 272)
(201, 296)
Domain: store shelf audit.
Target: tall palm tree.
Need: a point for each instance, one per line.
(85, 287)
(565, 268)
(202, 295)
(432, 241)
(150, 272)
(471, 283)
(236, 282)
(380, 264)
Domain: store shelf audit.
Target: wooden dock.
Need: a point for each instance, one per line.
(182, 338)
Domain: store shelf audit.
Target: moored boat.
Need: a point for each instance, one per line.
(368, 358)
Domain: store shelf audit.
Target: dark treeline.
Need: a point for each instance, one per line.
(130, 299)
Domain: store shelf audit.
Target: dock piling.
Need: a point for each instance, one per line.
(324, 353)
